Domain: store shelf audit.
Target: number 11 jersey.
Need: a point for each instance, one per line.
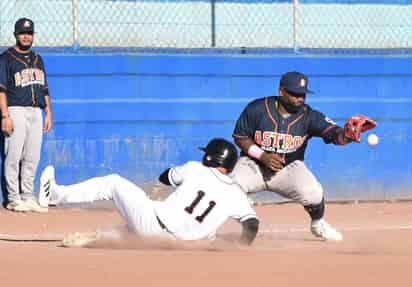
(203, 200)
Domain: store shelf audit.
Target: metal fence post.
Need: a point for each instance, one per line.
(75, 24)
(213, 22)
(295, 25)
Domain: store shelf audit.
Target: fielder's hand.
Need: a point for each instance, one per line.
(357, 125)
(7, 126)
(272, 161)
(47, 122)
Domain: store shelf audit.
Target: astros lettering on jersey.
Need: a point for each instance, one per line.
(261, 121)
(26, 81)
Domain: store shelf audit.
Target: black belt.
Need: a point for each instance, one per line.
(162, 225)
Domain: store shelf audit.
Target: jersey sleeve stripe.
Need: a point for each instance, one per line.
(328, 129)
(239, 136)
(17, 59)
(3, 88)
(270, 114)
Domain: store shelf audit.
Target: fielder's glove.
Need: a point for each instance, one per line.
(357, 125)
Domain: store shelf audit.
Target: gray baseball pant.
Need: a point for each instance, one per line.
(22, 152)
(295, 181)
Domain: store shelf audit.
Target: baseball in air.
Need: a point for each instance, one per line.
(373, 139)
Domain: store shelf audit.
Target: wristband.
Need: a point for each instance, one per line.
(255, 151)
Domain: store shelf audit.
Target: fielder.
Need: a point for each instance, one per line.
(204, 198)
(24, 94)
(273, 133)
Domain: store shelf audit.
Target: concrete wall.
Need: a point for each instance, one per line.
(139, 114)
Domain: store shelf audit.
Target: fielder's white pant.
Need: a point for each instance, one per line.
(131, 201)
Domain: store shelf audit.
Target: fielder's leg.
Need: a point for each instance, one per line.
(13, 149)
(31, 157)
(248, 175)
(305, 189)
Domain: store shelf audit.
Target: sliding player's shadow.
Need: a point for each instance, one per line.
(120, 238)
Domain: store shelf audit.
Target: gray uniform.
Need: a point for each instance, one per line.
(22, 151)
(23, 80)
(287, 137)
(295, 181)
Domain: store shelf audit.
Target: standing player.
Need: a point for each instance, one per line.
(204, 198)
(273, 133)
(23, 96)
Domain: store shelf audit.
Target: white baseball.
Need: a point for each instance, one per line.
(373, 139)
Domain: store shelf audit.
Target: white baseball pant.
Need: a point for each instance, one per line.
(131, 202)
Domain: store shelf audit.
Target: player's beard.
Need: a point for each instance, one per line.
(23, 47)
(289, 107)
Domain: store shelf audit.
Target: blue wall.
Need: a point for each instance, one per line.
(139, 114)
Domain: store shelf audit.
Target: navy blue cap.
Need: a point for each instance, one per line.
(23, 25)
(295, 82)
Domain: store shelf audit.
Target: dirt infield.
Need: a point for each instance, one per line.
(376, 251)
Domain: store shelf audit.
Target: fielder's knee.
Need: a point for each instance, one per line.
(313, 196)
(316, 211)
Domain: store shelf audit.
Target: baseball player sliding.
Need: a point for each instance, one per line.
(204, 198)
(273, 133)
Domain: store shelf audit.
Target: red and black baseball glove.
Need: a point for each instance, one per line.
(357, 125)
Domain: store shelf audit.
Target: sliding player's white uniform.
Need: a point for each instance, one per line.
(203, 200)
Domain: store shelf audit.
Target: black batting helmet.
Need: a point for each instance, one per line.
(220, 152)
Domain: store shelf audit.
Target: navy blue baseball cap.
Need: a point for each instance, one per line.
(295, 82)
(24, 25)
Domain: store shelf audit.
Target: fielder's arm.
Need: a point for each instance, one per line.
(272, 161)
(244, 143)
(340, 138)
(3, 104)
(6, 122)
(48, 121)
(250, 230)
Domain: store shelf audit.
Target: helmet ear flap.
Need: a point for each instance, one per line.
(208, 160)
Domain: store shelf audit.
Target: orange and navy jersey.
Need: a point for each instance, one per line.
(23, 78)
(262, 122)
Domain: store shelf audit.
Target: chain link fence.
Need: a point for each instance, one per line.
(295, 24)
